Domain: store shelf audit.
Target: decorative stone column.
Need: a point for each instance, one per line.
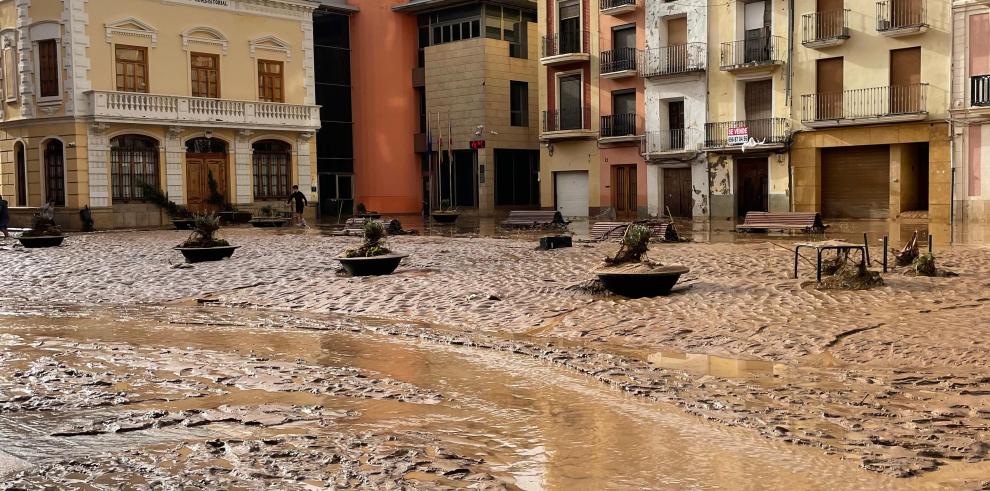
(243, 175)
(304, 171)
(98, 165)
(174, 150)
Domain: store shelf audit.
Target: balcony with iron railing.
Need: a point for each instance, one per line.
(616, 128)
(567, 123)
(135, 107)
(756, 52)
(565, 47)
(767, 133)
(979, 90)
(676, 143)
(618, 63)
(901, 17)
(677, 59)
(616, 7)
(865, 106)
(824, 29)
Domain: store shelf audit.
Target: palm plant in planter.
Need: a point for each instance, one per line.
(373, 257)
(44, 232)
(268, 218)
(631, 273)
(228, 212)
(203, 243)
(181, 217)
(446, 213)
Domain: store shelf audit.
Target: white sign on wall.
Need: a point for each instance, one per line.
(220, 4)
(738, 135)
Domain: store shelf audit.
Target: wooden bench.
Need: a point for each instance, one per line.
(660, 231)
(355, 226)
(762, 220)
(534, 219)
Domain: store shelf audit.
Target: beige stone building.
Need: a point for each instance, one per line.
(99, 96)
(871, 99)
(476, 81)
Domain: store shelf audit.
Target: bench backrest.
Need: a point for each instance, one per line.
(535, 216)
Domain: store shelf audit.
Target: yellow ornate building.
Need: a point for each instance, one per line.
(99, 96)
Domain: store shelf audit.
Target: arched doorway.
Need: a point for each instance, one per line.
(21, 163)
(272, 170)
(205, 157)
(54, 173)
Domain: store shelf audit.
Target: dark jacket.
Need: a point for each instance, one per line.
(4, 213)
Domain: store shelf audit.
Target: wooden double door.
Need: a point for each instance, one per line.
(677, 192)
(624, 191)
(199, 167)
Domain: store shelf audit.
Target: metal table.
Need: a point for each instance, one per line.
(830, 245)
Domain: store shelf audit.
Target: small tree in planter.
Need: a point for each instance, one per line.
(446, 213)
(226, 210)
(181, 216)
(631, 273)
(44, 232)
(373, 257)
(203, 243)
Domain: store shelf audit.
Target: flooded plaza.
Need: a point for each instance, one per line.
(479, 365)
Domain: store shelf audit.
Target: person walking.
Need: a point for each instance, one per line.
(299, 206)
(4, 217)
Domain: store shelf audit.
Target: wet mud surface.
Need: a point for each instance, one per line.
(892, 380)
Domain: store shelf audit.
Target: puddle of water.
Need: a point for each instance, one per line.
(719, 366)
(546, 427)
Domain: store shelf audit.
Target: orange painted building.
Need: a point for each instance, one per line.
(622, 37)
(387, 175)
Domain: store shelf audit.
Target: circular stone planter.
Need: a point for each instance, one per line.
(268, 222)
(441, 217)
(183, 223)
(638, 284)
(41, 242)
(371, 266)
(203, 254)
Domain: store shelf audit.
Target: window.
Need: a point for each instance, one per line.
(205, 75)
(132, 68)
(508, 24)
(270, 81)
(518, 103)
(54, 173)
(569, 97)
(271, 169)
(48, 67)
(450, 25)
(22, 193)
(133, 161)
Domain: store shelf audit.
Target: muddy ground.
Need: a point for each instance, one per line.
(893, 378)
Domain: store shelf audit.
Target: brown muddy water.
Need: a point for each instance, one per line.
(77, 387)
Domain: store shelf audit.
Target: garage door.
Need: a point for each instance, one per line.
(572, 193)
(856, 182)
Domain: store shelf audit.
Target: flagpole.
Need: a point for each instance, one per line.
(450, 163)
(439, 163)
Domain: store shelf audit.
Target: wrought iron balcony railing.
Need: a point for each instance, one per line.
(565, 42)
(618, 60)
(979, 90)
(670, 141)
(897, 15)
(768, 131)
(618, 125)
(673, 60)
(824, 28)
(865, 104)
(604, 5)
(758, 50)
(567, 119)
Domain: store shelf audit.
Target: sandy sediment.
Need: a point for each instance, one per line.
(894, 376)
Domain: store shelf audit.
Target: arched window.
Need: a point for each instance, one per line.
(54, 173)
(21, 163)
(272, 160)
(133, 161)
